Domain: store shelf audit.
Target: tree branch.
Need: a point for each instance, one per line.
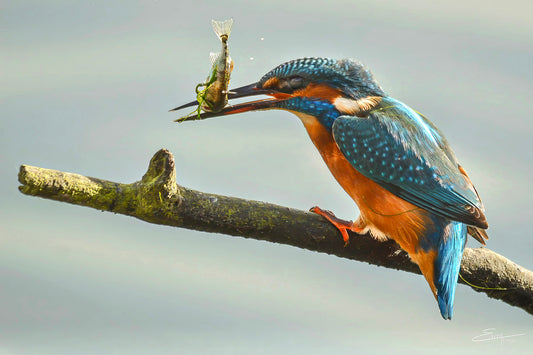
(158, 199)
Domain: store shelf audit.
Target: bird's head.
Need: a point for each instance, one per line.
(320, 87)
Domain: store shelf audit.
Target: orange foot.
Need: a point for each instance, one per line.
(342, 225)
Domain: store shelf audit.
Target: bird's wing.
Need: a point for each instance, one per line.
(406, 154)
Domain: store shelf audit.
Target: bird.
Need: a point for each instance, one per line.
(390, 159)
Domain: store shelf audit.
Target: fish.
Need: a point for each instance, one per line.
(212, 95)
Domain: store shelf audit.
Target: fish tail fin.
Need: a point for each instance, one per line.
(222, 28)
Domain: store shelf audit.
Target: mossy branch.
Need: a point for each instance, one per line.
(157, 198)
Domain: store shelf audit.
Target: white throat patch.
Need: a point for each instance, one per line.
(355, 107)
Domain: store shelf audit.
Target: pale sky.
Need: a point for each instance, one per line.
(86, 87)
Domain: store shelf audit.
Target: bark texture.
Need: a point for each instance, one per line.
(157, 198)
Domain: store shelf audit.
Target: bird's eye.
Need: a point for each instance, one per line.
(288, 85)
(296, 82)
(284, 86)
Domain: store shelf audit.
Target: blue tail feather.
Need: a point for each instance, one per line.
(447, 265)
(449, 239)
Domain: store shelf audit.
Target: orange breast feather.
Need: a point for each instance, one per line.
(385, 214)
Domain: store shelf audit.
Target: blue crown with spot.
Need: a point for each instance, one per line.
(347, 75)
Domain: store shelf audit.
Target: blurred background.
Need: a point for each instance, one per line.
(86, 87)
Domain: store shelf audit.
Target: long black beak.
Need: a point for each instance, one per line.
(244, 91)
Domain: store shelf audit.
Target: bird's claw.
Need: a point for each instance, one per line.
(342, 225)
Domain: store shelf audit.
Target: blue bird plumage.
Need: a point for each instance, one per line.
(354, 80)
(395, 164)
(450, 240)
(324, 111)
(406, 154)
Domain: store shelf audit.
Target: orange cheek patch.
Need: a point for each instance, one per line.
(320, 91)
(281, 95)
(271, 83)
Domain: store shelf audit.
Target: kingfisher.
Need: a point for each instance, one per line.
(390, 159)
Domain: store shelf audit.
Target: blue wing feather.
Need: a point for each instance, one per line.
(406, 154)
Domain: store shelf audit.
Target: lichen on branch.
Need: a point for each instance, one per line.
(157, 198)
